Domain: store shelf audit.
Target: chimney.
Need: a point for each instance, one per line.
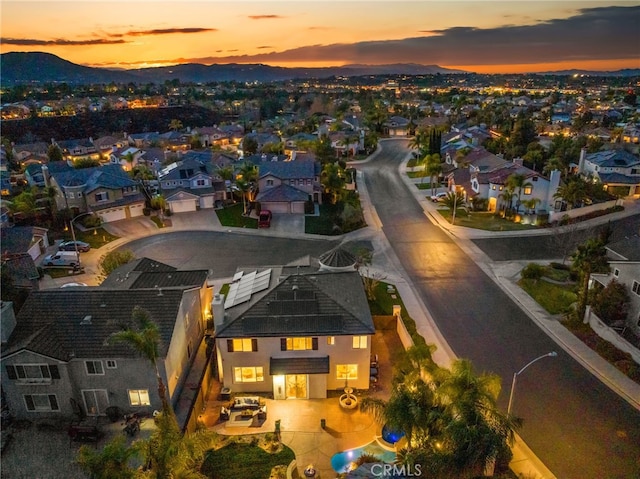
(217, 308)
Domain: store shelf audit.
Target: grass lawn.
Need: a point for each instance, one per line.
(555, 298)
(321, 224)
(96, 238)
(383, 303)
(557, 274)
(242, 461)
(412, 162)
(232, 216)
(423, 186)
(417, 174)
(483, 220)
(60, 272)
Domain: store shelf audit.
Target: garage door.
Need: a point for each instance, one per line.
(136, 210)
(112, 215)
(182, 206)
(276, 207)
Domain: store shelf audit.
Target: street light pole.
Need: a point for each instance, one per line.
(73, 236)
(552, 354)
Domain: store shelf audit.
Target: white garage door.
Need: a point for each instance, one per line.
(112, 215)
(136, 210)
(276, 207)
(182, 206)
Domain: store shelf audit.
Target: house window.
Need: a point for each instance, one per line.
(41, 402)
(346, 371)
(636, 288)
(111, 364)
(102, 196)
(298, 344)
(616, 272)
(70, 195)
(359, 342)
(528, 190)
(33, 372)
(248, 374)
(331, 340)
(139, 397)
(493, 187)
(240, 345)
(94, 368)
(535, 178)
(269, 182)
(201, 183)
(500, 189)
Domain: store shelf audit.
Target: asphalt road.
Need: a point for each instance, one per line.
(575, 424)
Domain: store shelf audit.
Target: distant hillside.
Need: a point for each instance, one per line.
(627, 72)
(46, 68)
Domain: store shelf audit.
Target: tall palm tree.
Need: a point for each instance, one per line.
(51, 192)
(518, 181)
(249, 173)
(453, 201)
(111, 462)
(175, 125)
(146, 340)
(420, 142)
(589, 257)
(507, 197)
(227, 174)
(244, 187)
(574, 191)
(530, 205)
(333, 181)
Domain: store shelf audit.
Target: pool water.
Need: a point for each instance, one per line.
(391, 436)
(342, 460)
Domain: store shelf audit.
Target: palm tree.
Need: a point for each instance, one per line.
(51, 192)
(507, 200)
(244, 187)
(175, 125)
(433, 168)
(227, 174)
(530, 205)
(574, 191)
(420, 142)
(518, 181)
(453, 201)
(145, 340)
(589, 257)
(112, 462)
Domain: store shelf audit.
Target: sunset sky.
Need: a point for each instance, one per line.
(482, 36)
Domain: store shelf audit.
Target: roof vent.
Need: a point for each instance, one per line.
(86, 319)
(103, 305)
(294, 287)
(159, 291)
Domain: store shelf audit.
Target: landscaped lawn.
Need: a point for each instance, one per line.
(96, 238)
(242, 461)
(555, 298)
(232, 216)
(423, 186)
(417, 174)
(483, 220)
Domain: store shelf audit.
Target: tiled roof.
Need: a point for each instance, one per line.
(282, 193)
(628, 248)
(22, 271)
(322, 303)
(337, 258)
(613, 158)
(619, 178)
(19, 239)
(287, 169)
(54, 322)
(168, 279)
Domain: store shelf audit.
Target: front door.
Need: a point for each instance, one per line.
(296, 386)
(96, 401)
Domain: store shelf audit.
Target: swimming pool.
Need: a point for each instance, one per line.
(342, 460)
(391, 436)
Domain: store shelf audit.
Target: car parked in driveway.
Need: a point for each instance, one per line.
(439, 197)
(264, 219)
(71, 246)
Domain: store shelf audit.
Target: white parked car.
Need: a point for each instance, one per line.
(439, 197)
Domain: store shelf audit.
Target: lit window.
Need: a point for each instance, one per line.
(359, 342)
(299, 344)
(248, 374)
(331, 340)
(139, 397)
(346, 371)
(94, 368)
(528, 190)
(244, 344)
(41, 402)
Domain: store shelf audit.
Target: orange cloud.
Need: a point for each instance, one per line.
(265, 17)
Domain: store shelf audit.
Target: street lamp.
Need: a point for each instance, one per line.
(73, 236)
(552, 354)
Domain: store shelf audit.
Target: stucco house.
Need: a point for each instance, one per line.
(285, 186)
(59, 351)
(295, 332)
(618, 170)
(106, 191)
(624, 260)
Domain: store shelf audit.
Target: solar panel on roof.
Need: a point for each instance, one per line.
(246, 284)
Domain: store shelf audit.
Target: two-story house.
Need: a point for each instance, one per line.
(295, 331)
(60, 351)
(189, 185)
(285, 186)
(618, 170)
(106, 191)
(78, 149)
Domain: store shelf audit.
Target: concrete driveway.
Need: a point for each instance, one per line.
(287, 223)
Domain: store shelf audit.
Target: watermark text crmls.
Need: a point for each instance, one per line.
(396, 470)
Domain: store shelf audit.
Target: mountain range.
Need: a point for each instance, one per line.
(39, 67)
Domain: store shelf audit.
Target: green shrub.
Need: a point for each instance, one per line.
(532, 271)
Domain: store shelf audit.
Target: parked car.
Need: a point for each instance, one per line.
(62, 258)
(264, 219)
(71, 246)
(439, 197)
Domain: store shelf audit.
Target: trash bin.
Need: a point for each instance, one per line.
(225, 394)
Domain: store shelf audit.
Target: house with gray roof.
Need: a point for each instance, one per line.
(59, 351)
(107, 191)
(618, 170)
(285, 186)
(295, 332)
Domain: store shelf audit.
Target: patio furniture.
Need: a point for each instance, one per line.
(225, 394)
(247, 402)
(247, 413)
(374, 361)
(225, 414)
